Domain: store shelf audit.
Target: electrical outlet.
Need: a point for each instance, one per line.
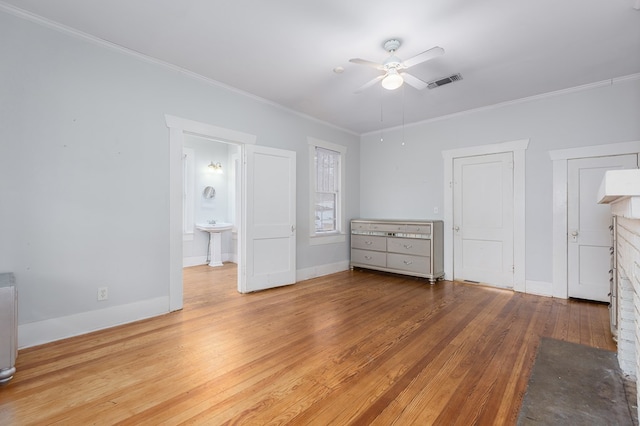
(103, 293)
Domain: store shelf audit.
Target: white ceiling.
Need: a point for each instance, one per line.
(285, 50)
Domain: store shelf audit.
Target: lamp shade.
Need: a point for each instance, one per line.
(393, 80)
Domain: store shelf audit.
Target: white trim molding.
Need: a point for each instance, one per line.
(517, 148)
(560, 160)
(209, 131)
(194, 261)
(540, 288)
(73, 32)
(321, 270)
(575, 89)
(40, 332)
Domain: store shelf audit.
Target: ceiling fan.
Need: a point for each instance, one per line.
(394, 68)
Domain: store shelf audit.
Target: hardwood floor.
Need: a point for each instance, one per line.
(357, 347)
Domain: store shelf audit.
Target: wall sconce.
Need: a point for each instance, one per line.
(217, 167)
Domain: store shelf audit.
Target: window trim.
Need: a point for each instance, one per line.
(338, 236)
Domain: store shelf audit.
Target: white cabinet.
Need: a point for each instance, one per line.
(402, 247)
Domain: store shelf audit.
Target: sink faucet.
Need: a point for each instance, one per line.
(211, 221)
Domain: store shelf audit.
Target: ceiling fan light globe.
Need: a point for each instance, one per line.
(392, 81)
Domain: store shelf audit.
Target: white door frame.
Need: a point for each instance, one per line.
(178, 127)
(560, 160)
(518, 149)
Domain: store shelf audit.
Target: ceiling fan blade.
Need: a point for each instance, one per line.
(434, 52)
(368, 63)
(369, 84)
(412, 81)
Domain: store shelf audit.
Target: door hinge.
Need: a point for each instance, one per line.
(513, 269)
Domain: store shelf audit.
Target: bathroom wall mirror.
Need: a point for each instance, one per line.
(209, 192)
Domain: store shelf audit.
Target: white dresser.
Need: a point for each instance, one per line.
(403, 247)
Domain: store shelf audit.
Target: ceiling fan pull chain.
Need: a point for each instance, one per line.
(381, 120)
(403, 116)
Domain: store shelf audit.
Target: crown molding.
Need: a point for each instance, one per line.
(589, 86)
(56, 26)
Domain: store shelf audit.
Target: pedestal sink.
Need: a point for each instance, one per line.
(215, 241)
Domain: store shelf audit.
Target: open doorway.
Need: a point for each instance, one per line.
(211, 210)
(179, 128)
(267, 193)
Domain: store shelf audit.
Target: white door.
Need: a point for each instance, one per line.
(270, 218)
(483, 219)
(589, 237)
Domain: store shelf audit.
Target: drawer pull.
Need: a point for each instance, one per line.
(368, 242)
(407, 246)
(408, 262)
(368, 257)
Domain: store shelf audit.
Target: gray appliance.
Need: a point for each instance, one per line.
(8, 327)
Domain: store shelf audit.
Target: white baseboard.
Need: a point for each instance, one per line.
(230, 257)
(540, 288)
(321, 270)
(202, 260)
(193, 261)
(37, 333)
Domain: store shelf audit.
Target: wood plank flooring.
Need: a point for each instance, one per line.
(357, 347)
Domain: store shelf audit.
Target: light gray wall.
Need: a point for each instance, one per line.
(407, 181)
(84, 171)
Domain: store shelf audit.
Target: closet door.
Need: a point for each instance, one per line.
(588, 236)
(483, 219)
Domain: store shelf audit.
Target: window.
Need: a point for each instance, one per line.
(326, 193)
(327, 190)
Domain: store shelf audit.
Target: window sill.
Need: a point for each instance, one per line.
(316, 240)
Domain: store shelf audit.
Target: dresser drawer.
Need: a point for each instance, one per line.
(366, 257)
(369, 242)
(407, 262)
(387, 227)
(409, 246)
(419, 229)
(359, 226)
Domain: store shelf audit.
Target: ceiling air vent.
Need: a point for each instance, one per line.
(442, 81)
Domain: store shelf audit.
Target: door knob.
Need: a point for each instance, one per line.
(457, 228)
(574, 234)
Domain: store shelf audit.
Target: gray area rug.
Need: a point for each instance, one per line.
(574, 384)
